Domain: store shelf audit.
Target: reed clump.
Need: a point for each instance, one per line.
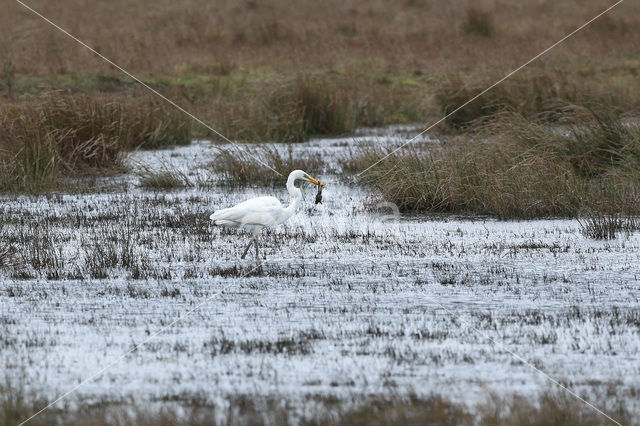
(248, 165)
(601, 225)
(294, 110)
(479, 22)
(45, 140)
(163, 178)
(515, 168)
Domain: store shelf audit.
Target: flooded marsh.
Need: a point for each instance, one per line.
(351, 302)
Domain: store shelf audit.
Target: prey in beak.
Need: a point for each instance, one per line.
(320, 186)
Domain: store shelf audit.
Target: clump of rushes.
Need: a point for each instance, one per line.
(606, 226)
(312, 104)
(61, 135)
(163, 178)
(240, 167)
(515, 168)
(326, 109)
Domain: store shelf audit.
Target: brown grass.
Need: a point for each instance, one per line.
(541, 94)
(479, 23)
(281, 71)
(240, 167)
(607, 225)
(293, 110)
(551, 409)
(516, 168)
(61, 135)
(176, 38)
(163, 178)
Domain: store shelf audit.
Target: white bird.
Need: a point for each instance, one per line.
(257, 213)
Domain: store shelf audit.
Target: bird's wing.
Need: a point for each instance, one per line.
(256, 211)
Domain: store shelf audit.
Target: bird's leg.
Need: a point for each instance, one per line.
(247, 249)
(257, 256)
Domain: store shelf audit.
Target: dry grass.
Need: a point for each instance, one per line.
(241, 167)
(550, 409)
(540, 94)
(606, 226)
(292, 110)
(296, 106)
(163, 178)
(479, 23)
(61, 135)
(516, 168)
(217, 37)
(276, 71)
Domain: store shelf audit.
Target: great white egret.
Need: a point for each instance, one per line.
(257, 213)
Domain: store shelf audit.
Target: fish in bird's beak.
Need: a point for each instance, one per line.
(315, 181)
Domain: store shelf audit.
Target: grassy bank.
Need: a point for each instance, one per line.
(261, 105)
(516, 168)
(550, 409)
(57, 136)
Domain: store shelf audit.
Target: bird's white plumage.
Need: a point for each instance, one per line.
(254, 213)
(257, 213)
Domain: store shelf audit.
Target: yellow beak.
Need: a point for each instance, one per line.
(315, 182)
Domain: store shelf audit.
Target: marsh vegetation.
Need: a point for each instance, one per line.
(358, 316)
(513, 167)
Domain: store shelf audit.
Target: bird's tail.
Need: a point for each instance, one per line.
(220, 217)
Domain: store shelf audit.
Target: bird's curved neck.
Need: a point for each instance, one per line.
(295, 194)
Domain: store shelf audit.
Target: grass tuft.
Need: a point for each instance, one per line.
(606, 226)
(164, 178)
(293, 110)
(543, 95)
(479, 23)
(241, 167)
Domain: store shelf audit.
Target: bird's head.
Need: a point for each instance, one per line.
(299, 174)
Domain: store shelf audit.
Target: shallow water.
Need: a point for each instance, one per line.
(348, 304)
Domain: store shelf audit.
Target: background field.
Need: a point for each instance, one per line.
(254, 69)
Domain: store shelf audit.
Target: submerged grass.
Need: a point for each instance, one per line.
(61, 135)
(606, 226)
(516, 168)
